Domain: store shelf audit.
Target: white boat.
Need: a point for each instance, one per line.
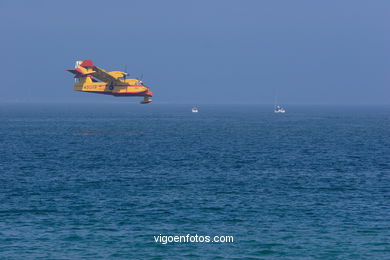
(279, 109)
(194, 110)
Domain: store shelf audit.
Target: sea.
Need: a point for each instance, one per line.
(103, 181)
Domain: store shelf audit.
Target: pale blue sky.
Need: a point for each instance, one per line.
(204, 51)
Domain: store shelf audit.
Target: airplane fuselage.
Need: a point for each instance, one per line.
(114, 90)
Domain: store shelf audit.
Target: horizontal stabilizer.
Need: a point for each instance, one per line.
(79, 73)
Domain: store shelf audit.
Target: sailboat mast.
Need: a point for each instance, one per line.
(275, 98)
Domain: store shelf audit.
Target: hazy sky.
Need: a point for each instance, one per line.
(203, 51)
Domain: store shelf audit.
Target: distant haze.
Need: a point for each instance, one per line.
(195, 52)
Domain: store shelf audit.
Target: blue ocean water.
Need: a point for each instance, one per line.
(100, 181)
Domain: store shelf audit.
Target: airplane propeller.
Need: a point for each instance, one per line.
(141, 77)
(125, 74)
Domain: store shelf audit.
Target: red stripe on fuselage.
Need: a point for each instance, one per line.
(127, 94)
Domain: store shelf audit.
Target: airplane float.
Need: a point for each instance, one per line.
(92, 79)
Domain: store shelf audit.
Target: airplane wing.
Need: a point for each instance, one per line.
(102, 75)
(88, 68)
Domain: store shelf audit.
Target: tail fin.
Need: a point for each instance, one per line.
(82, 68)
(87, 63)
(83, 71)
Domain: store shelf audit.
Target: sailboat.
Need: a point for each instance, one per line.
(278, 108)
(194, 110)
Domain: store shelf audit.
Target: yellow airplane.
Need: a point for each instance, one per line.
(111, 83)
